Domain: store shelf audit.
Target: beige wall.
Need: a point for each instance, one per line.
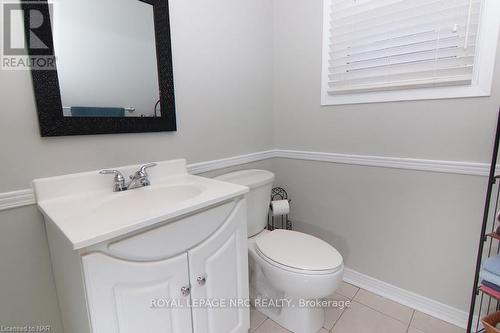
(27, 291)
(222, 52)
(416, 230)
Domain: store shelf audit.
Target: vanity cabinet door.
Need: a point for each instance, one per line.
(219, 272)
(128, 297)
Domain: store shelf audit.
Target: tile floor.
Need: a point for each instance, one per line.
(368, 313)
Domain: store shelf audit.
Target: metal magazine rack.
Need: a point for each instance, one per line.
(483, 302)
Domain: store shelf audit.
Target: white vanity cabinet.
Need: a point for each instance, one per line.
(217, 273)
(120, 294)
(153, 259)
(168, 279)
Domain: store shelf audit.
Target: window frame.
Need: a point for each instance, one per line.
(483, 68)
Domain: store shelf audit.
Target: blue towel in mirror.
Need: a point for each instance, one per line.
(85, 111)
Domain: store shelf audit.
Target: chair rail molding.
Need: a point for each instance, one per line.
(201, 167)
(16, 199)
(25, 197)
(454, 167)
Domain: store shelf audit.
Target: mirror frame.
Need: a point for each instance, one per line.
(48, 95)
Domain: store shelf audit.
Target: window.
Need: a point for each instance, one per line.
(393, 50)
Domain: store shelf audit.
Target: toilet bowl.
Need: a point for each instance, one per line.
(289, 270)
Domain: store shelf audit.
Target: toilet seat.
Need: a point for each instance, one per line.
(298, 252)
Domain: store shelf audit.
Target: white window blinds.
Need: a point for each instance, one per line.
(377, 45)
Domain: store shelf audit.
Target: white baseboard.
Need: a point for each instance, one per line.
(420, 303)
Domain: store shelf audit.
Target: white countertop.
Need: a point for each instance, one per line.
(87, 211)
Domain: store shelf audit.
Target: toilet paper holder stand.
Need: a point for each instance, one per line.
(279, 222)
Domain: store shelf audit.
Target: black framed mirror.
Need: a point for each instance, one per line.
(107, 66)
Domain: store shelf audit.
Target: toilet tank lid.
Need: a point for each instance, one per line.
(250, 178)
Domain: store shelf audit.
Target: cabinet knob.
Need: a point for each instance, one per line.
(202, 280)
(185, 291)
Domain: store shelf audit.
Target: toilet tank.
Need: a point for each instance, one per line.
(260, 183)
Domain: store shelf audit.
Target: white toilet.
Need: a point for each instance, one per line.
(285, 264)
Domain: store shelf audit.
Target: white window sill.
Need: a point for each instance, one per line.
(406, 95)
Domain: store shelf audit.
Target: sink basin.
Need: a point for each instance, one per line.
(87, 211)
(144, 201)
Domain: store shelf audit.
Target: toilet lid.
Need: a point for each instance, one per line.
(298, 250)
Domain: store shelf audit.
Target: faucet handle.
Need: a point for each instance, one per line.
(143, 168)
(118, 174)
(119, 179)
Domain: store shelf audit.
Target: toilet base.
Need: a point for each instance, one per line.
(270, 283)
(296, 320)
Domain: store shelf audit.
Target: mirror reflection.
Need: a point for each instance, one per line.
(106, 58)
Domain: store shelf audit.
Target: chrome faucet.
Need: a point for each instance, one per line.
(138, 179)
